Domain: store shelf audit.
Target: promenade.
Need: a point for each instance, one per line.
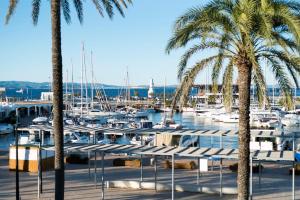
(275, 183)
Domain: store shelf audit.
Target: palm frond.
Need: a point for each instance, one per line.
(227, 85)
(188, 80)
(98, 7)
(189, 53)
(65, 6)
(79, 9)
(11, 10)
(35, 11)
(119, 7)
(108, 8)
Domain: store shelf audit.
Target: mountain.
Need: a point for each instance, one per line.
(43, 85)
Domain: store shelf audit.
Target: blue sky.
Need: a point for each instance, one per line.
(137, 41)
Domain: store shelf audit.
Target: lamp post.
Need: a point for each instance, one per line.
(17, 162)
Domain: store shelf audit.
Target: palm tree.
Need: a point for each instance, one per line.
(240, 35)
(57, 85)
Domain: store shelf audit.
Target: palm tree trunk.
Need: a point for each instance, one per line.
(57, 99)
(244, 82)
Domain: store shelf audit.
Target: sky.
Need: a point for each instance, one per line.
(136, 42)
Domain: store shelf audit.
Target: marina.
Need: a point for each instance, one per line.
(158, 100)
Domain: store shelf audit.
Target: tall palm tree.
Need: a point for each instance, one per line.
(240, 35)
(57, 85)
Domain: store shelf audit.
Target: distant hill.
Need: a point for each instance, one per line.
(45, 85)
(42, 85)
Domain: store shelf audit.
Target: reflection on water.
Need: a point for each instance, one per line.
(188, 120)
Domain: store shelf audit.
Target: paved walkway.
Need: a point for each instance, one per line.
(276, 183)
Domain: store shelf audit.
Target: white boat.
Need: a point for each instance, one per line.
(228, 118)
(264, 119)
(6, 129)
(167, 123)
(20, 91)
(140, 113)
(188, 109)
(40, 120)
(137, 140)
(209, 111)
(291, 120)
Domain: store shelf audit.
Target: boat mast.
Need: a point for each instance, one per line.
(92, 84)
(128, 87)
(72, 87)
(86, 85)
(81, 88)
(165, 100)
(67, 99)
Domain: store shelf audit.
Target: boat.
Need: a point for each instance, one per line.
(167, 123)
(227, 118)
(40, 120)
(20, 91)
(6, 129)
(187, 109)
(291, 120)
(138, 140)
(265, 119)
(209, 111)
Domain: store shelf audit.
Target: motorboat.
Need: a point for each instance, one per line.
(138, 140)
(40, 120)
(227, 118)
(264, 119)
(209, 111)
(6, 129)
(187, 109)
(167, 123)
(291, 120)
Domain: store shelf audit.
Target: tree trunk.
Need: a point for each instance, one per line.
(244, 82)
(57, 86)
